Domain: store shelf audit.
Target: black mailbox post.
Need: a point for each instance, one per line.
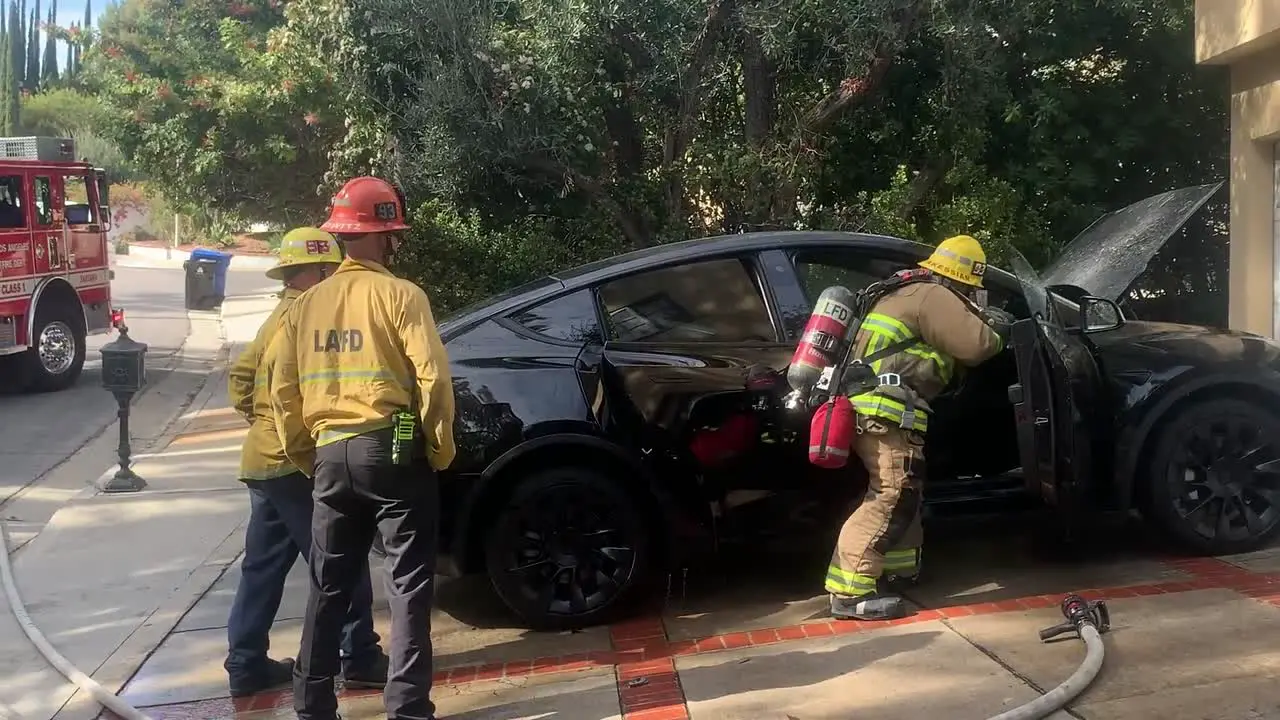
(124, 373)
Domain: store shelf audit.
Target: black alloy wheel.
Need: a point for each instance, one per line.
(1215, 477)
(569, 550)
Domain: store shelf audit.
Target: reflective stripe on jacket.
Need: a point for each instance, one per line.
(354, 350)
(947, 330)
(248, 384)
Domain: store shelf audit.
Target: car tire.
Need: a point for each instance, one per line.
(1205, 485)
(546, 554)
(57, 351)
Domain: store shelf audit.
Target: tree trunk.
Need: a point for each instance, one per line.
(759, 90)
(677, 135)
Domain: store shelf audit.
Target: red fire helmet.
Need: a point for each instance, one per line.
(366, 205)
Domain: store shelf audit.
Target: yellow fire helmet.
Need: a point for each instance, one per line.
(960, 258)
(305, 246)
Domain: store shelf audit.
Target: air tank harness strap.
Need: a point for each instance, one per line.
(864, 379)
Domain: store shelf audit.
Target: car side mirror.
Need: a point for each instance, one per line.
(1099, 314)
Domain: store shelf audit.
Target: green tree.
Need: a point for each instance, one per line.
(203, 106)
(6, 68)
(49, 76)
(62, 112)
(20, 45)
(12, 98)
(32, 73)
(1014, 121)
(16, 43)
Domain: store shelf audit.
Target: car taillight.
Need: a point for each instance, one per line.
(117, 317)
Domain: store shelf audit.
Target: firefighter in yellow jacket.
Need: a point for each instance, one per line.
(279, 526)
(884, 535)
(361, 373)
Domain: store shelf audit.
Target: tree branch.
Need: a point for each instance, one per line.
(677, 138)
(759, 83)
(855, 90)
(677, 135)
(631, 229)
(923, 183)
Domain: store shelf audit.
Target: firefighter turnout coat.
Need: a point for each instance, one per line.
(948, 329)
(262, 457)
(353, 351)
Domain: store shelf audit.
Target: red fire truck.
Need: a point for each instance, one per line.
(55, 283)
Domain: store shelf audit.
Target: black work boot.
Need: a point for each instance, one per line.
(874, 606)
(271, 675)
(370, 674)
(902, 581)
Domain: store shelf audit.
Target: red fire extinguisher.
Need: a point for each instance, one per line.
(823, 348)
(831, 433)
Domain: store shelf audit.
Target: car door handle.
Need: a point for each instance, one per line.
(670, 377)
(1042, 421)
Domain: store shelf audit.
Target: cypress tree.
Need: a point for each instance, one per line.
(32, 73)
(12, 98)
(50, 75)
(17, 43)
(20, 44)
(6, 64)
(70, 67)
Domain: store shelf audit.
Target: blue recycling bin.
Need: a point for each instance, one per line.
(223, 263)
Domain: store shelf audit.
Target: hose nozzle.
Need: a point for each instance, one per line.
(1078, 613)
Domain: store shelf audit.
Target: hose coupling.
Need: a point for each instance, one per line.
(1078, 613)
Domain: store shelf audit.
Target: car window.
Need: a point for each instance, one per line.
(706, 301)
(570, 317)
(76, 204)
(854, 269)
(44, 201)
(11, 213)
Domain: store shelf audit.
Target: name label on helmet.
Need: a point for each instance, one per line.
(317, 247)
(385, 211)
(339, 341)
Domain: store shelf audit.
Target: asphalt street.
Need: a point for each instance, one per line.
(39, 431)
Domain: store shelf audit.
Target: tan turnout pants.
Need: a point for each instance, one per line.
(884, 533)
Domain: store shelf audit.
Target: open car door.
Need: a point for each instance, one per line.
(1053, 400)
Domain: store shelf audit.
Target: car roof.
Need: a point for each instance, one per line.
(676, 253)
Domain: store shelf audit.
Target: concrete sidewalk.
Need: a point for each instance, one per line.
(108, 576)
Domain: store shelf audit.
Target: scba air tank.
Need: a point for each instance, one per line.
(823, 343)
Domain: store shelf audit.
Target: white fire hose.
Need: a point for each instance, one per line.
(1088, 620)
(100, 694)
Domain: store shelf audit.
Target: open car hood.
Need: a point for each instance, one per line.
(1110, 254)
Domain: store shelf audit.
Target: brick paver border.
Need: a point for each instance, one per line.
(643, 657)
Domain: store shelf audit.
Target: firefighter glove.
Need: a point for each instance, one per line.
(998, 320)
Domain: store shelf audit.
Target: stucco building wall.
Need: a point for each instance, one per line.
(1245, 36)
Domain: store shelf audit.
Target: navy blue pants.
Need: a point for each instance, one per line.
(279, 531)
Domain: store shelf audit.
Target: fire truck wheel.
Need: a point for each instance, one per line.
(57, 351)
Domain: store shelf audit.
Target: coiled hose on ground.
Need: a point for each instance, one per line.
(1088, 620)
(122, 709)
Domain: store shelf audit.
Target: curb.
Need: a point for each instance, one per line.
(144, 256)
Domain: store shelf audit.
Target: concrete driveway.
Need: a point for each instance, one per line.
(1192, 638)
